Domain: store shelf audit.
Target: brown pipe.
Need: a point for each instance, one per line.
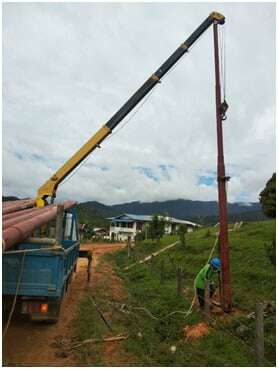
(23, 229)
(22, 204)
(20, 216)
(16, 202)
(18, 213)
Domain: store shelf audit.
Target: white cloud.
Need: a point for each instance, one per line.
(67, 67)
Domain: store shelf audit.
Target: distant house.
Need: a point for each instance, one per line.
(100, 232)
(97, 232)
(128, 225)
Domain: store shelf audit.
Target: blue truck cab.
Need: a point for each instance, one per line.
(39, 273)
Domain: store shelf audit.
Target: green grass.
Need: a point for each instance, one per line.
(253, 280)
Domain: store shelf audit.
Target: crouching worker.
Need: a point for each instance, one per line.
(204, 275)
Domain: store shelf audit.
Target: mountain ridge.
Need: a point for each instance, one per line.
(203, 212)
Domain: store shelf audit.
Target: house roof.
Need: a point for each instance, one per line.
(128, 218)
(131, 217)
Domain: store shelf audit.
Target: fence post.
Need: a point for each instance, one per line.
(90, 258)
(128, 246)
(179, 281)
(207, 299)
(173, 264)
(259, 338)
(152, 264)
(162, 271)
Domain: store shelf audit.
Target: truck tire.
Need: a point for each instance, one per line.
(55, 312)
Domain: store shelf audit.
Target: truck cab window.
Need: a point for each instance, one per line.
(68, 226)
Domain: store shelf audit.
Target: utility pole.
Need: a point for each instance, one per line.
(226, 302)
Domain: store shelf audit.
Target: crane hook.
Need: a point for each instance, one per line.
(223, 108)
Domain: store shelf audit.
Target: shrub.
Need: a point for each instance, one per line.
(182, 231)
(271, 251)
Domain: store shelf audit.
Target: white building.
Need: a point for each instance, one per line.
(128, 225)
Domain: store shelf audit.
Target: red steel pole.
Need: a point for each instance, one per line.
(222, 196)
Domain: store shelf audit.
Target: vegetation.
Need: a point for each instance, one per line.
(156, 227)
(229, 339)
(88, 232)
(271, 251)
(268, 201)
(182, 232)
(90, 216)
(268, 197)
(182, 209)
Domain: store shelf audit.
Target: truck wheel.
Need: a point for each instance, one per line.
(54, 312)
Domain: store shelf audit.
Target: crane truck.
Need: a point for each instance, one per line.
(48, 270)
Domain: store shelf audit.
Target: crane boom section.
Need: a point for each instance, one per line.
(165, 67)
(48, 189)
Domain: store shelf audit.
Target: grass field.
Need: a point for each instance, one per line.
(230, 340)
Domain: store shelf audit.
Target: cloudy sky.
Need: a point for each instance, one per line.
(68, 67)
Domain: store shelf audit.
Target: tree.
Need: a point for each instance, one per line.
(182, 231)
(268, 197)
(268, 201)
(157, 227)
(89, 231)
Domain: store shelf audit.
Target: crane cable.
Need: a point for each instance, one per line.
(143, 102)
(135, 112)
(222, 36)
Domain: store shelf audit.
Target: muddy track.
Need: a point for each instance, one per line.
(31, 344)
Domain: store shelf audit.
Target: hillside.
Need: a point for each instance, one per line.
(203, 212)
(227, 341)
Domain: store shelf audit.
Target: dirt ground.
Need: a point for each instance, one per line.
(31, 344)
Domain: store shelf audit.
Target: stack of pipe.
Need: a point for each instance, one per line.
(12, 206)
(20, 219)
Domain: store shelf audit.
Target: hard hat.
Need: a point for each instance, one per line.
(216, 263)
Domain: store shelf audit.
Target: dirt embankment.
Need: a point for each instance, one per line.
(31, 344)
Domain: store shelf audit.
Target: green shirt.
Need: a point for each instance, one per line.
(204, 274)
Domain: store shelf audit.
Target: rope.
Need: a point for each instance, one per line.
(221, 34)
(15, 296)
(190, 309)
(134, 113)
(100, 313)
(224, 65)
(112, 135)
(132, 116)
(75, 171)
(213, 248)
(32, 250)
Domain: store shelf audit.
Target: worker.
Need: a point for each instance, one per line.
(206, 274)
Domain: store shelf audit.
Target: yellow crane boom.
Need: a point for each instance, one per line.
(49, 188)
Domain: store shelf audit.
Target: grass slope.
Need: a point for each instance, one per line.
(253, 280)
